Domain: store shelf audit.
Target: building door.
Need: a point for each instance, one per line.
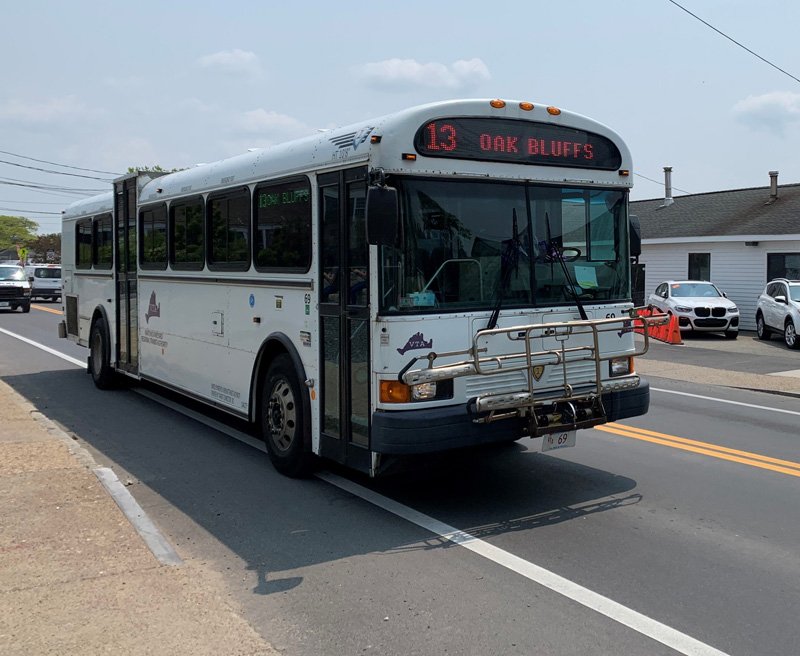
(344, 318)
(127, 313)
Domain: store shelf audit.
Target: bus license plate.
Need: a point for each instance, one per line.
(558, 440)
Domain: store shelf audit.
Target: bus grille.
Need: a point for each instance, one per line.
(511, 381)
(72, 315)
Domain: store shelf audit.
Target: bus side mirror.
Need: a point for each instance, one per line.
(635, 235)
(383, 216)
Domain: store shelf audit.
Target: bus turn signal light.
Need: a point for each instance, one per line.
(393, 391)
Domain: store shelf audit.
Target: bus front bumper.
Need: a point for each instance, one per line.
(408, 432)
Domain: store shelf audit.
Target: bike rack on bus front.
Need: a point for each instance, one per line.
(547, 408)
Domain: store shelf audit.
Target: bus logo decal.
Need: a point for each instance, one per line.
(154, 309)
(354, 139)
(537, 372)
(415, 343)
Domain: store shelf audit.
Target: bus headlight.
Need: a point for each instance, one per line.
(393, 391)
(423, 391)
(620, 366)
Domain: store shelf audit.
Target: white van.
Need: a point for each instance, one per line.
(45, 280)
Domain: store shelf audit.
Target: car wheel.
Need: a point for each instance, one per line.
(731, 334)
(100, 356)
(790, 335)
(283, 419)
(761, 328)
(26, 307)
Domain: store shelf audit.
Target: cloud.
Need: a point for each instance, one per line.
(401, 74)
(272, 126)
(232, 61)
(773, 112)
(51, 110)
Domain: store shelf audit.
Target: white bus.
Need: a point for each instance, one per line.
(450, 275)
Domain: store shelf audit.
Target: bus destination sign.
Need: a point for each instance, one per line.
(522, 142)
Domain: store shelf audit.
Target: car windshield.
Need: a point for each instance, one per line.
(12, 273)
(694, 290)
(469, 245)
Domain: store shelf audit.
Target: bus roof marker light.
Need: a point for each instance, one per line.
(553, 111)
(526, 106)
(497, 103)
(409, 156)
(624, 172)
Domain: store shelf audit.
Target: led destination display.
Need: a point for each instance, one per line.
(523, 142)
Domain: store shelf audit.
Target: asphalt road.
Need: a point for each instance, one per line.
(699, 535)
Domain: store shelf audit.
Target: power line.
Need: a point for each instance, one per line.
(66, 166)
(36, 168)
(755, 54)
(14, 209)
(660, 183)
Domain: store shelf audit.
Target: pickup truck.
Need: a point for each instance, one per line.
(15, 288)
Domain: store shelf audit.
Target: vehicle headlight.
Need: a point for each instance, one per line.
(423, 391)
(620, 366)
(682, 308)
(733, 310)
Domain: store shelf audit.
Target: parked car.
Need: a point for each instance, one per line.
(46, 280)
(699, 305)
(778, 311)
(15, 290)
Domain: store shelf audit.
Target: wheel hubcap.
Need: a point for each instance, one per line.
(790, 334)
(282, 415)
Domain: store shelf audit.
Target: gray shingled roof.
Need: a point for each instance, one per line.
(721, 213)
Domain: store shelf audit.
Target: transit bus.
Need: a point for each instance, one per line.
(451, 275)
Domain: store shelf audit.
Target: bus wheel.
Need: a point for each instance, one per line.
(283, 420)
(100, 356)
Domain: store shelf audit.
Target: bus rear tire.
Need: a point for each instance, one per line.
(100, 356)
(283, 419)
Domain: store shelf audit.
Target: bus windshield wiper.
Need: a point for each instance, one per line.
(553, 252)
(509, 262)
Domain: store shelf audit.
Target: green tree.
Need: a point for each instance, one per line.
(16, 230)
(41, 244)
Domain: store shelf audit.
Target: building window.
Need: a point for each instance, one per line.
(783, 265)
(699, 266)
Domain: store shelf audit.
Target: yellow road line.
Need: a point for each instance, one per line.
(46, 309)
(715, 451)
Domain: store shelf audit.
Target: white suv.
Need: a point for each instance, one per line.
(778, 311)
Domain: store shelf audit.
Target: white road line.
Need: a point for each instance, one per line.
(647, 626)
(711, 398)
(47, 349)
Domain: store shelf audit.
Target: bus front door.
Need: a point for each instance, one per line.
(344, 318)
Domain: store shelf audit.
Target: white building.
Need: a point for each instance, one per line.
(737, 239)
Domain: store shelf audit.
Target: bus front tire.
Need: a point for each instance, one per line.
(100, 354)
(283, 421)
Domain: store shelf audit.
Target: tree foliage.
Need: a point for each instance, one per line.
(16, 230)
(41, 244)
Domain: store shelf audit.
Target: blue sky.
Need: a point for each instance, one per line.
(107, 85)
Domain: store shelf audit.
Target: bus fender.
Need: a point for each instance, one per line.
(275, 344)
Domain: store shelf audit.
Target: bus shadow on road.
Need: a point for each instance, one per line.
(284, 528)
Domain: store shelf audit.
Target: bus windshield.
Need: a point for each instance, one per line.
(467, 246)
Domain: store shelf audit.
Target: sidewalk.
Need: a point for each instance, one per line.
(76, 577)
